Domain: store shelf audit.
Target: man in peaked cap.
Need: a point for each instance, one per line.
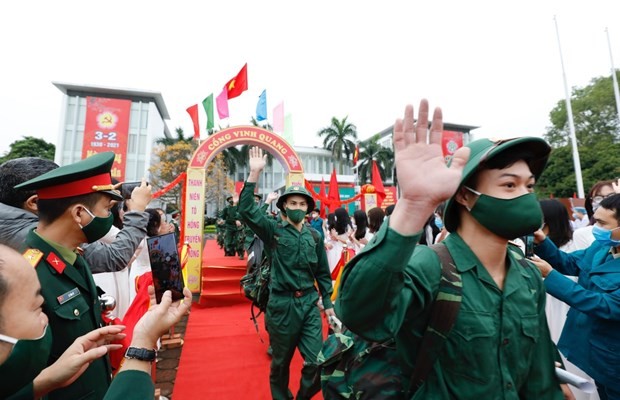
(74, 203)
(499, 346)
(298, 260)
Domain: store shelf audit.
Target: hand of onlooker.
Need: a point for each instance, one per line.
(329, 312)
(543, 266)
(271, 197)
(159, 318)
(74, 361)
(140, 197)
(423, 176)
(539, 236)
(238, 223)
(329, 246)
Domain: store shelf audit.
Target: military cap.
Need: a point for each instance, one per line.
(229, 198)
(483, 150)
(298, 190)
(258, 196)
(91, 175)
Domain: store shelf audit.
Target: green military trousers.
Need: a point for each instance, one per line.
(294, 322)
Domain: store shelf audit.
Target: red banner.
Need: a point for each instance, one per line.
(390, 197)
(451, 141)
(107, 129)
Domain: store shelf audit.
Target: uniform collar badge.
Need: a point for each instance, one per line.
(56, 262)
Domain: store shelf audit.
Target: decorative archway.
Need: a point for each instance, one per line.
(194, 197)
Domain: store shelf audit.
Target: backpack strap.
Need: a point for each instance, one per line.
(444, 311)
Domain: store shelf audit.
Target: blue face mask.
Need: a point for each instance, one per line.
(438, 223)
(603, 236)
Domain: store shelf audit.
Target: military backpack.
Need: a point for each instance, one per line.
(354, 368)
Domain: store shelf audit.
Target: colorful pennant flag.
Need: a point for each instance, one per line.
(238, 84)
(261, 107)
(207, 103)
(356, 154)
(222, 104)
(278, 118)
(288, 129)
(377, 182)
(193, 113)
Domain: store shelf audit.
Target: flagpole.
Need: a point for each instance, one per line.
(571, 125)
(613, 75)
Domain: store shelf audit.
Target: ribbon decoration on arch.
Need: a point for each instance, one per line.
(328, 202)
(168, 187)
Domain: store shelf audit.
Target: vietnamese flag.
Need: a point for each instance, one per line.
(377, 182)
(356, 154)
(193, 113)
(238, 84)
(334, 194)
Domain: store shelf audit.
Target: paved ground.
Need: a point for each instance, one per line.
(169, 362)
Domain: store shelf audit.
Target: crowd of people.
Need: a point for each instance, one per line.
(521, 315)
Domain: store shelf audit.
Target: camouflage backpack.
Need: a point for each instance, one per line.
(354, 368)
(255, 283)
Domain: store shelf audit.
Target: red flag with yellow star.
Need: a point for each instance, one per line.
(238, 84)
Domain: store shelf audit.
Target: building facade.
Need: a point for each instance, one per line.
(126, 121)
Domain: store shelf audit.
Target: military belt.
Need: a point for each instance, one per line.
(295, 293)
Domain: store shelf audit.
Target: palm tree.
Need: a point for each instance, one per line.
(339, 139)
(166, 141)
(372, 150)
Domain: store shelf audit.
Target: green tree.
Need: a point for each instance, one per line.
(30, 146)
(339, 138)
(173, 161)
(371, 150)
(166, 141)
(594, 115)
(597, 131)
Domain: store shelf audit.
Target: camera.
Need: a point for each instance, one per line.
(128, 187)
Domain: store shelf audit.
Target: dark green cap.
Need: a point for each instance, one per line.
(298, 190)
(91, 175)
(483, 150)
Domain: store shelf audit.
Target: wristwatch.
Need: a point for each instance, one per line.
(141, 354)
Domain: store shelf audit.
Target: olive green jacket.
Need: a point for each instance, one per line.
(297, 259)
(499, 348)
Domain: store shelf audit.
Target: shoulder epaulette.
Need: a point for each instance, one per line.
(33, 256)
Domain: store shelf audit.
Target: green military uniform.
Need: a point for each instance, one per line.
(131, 385)
(233, 234)
(249, 233)
(499, 347)
(71, 299)
(73, 308)
(293, 318)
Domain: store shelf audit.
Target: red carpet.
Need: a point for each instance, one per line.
(222, 356)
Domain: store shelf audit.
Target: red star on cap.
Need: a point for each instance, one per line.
(56, 262)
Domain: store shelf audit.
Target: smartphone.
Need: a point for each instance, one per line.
(165, 266)
(127, 188)
(529, 245)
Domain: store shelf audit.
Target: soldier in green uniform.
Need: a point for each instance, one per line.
(248, 232)
(293, 318)
(500, 347)
(233, 228)
(74, 203)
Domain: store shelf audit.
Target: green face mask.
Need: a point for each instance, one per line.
(27, 359)
(98, 227)
(296, 216)
(508, 218)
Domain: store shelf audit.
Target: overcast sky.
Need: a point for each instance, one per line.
(493, 64)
